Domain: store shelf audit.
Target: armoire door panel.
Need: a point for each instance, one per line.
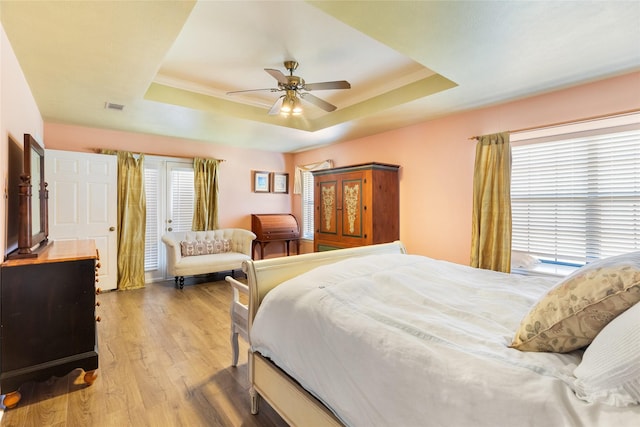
(352, 191)
(327, 218)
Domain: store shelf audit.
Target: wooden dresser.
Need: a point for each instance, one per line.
(275, 228)
(48, 316)
(356, 206)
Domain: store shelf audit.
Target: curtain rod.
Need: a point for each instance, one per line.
(177, 156)
(567, 122)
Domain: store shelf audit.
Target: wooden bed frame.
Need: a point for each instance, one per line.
(294, 404)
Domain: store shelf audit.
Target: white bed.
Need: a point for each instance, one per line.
(383, 338)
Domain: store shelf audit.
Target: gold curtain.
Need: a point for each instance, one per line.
(491, 222)
(205, 178)
(132, 216)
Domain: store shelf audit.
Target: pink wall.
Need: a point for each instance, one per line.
(436, 158)
(237, 201)
(19, 114)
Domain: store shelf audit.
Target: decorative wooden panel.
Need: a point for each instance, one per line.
(352, 207)
(328, 200)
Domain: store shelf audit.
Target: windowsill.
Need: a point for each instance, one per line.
(546, 270)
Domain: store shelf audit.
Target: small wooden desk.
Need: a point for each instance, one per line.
(275, 228)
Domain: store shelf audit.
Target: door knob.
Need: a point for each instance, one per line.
(169, 229)
(112, 229)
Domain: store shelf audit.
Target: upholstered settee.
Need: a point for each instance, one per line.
(201, 252)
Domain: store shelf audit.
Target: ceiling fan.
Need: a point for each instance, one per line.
(294, 89)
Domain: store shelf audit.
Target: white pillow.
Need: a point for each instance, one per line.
(522, 260)
(610, 367)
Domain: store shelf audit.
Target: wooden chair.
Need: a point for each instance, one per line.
(239, 316)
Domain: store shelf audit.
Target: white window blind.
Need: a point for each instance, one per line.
(152, 237)
(575, 200)
(307, 205)
(182, 199)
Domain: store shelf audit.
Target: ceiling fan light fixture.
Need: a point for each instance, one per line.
(291, 105)
(295, 88)
(297, 106)
(285, 110)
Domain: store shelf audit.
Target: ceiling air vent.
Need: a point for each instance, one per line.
(112, 106)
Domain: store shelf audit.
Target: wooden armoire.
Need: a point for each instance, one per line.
(356, 206)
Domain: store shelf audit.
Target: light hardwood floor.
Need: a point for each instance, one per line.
(164, 360)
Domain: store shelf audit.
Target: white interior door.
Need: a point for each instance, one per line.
(83, 198)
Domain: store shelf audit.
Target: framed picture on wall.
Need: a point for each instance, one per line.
(280, 182)
(261, 182)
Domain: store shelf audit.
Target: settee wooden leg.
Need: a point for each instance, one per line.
(181, 282)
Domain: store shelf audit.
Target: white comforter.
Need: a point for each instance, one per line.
(403, 340)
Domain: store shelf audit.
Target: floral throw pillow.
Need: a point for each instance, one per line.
(205, 247)
(196, 247)
(571, 314)
(221, 246)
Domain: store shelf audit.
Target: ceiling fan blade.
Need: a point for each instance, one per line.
(318, 102)
(340, 84)
(253, 90)
(277, 74)
(275, 108)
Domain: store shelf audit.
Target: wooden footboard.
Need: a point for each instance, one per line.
(296, 406)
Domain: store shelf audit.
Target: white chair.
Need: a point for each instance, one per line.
(239, 316)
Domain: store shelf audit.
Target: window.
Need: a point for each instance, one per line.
(577, 198)
(152, 232)
(307, 205)
(181, 198)
(306, 189)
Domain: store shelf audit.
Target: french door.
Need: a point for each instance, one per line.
(170, 198)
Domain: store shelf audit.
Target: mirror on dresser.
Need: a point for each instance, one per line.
(30, 216)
